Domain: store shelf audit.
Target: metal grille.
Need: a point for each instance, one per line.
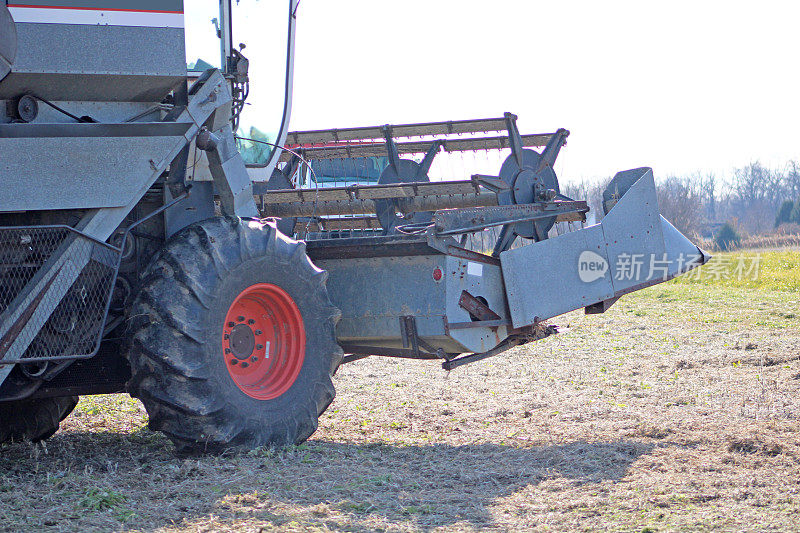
(85, 273)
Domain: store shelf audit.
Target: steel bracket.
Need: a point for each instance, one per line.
(476, 308)
(408, 332)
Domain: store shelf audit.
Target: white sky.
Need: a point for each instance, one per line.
(681, 86)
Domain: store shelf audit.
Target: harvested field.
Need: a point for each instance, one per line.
(678, 409)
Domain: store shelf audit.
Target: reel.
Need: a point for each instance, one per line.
(403, 171)
(531, 179)
(404, 199)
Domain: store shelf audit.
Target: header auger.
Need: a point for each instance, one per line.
(150, 243)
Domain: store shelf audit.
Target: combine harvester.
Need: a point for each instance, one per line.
(139, 251)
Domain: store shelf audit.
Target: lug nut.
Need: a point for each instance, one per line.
(234, 361)
(245, 365)
(231, 324)
(254, 359)
(251, 321)
(226, 336)
(227, 350)
(240, 318)
(259, 332)
(260, 346)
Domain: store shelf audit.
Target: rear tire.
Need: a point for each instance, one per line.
(33, 420)
(212, 380)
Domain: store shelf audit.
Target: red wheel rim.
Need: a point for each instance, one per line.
(263, 341)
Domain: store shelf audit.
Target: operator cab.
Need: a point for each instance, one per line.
(232, 36)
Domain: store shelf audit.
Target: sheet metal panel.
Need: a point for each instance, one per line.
(96, 62)
(680, 250)
(8, 42)
(632, 248)
(373, 293)
(481, 280)
(76, 173)
(174, 6)
(633, 234)
(147, 13)
(543, 280)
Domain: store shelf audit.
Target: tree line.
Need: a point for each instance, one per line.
(754, 199)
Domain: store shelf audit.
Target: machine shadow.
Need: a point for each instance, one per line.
(428, 485)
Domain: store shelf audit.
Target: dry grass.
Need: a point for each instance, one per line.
(777, 240)
(676, 410)
(785, 237)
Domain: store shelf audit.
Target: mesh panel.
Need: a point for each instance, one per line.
(82, 288)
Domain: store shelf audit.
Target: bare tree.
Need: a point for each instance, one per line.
(592, 192)
(751, 183)
(708, 193)
(696, 203)
(791, 178)
(757, 194)
(680, 202)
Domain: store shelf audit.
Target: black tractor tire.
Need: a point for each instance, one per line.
(33, 420)
(179, 360)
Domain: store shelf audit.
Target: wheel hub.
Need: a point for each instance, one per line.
(408, 172)
(263, 341)
(242, 342)
(529, 186)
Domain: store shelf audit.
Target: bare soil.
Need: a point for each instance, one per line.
(676, 410)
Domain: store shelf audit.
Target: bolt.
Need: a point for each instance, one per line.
(234, 361)
(254, 359)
